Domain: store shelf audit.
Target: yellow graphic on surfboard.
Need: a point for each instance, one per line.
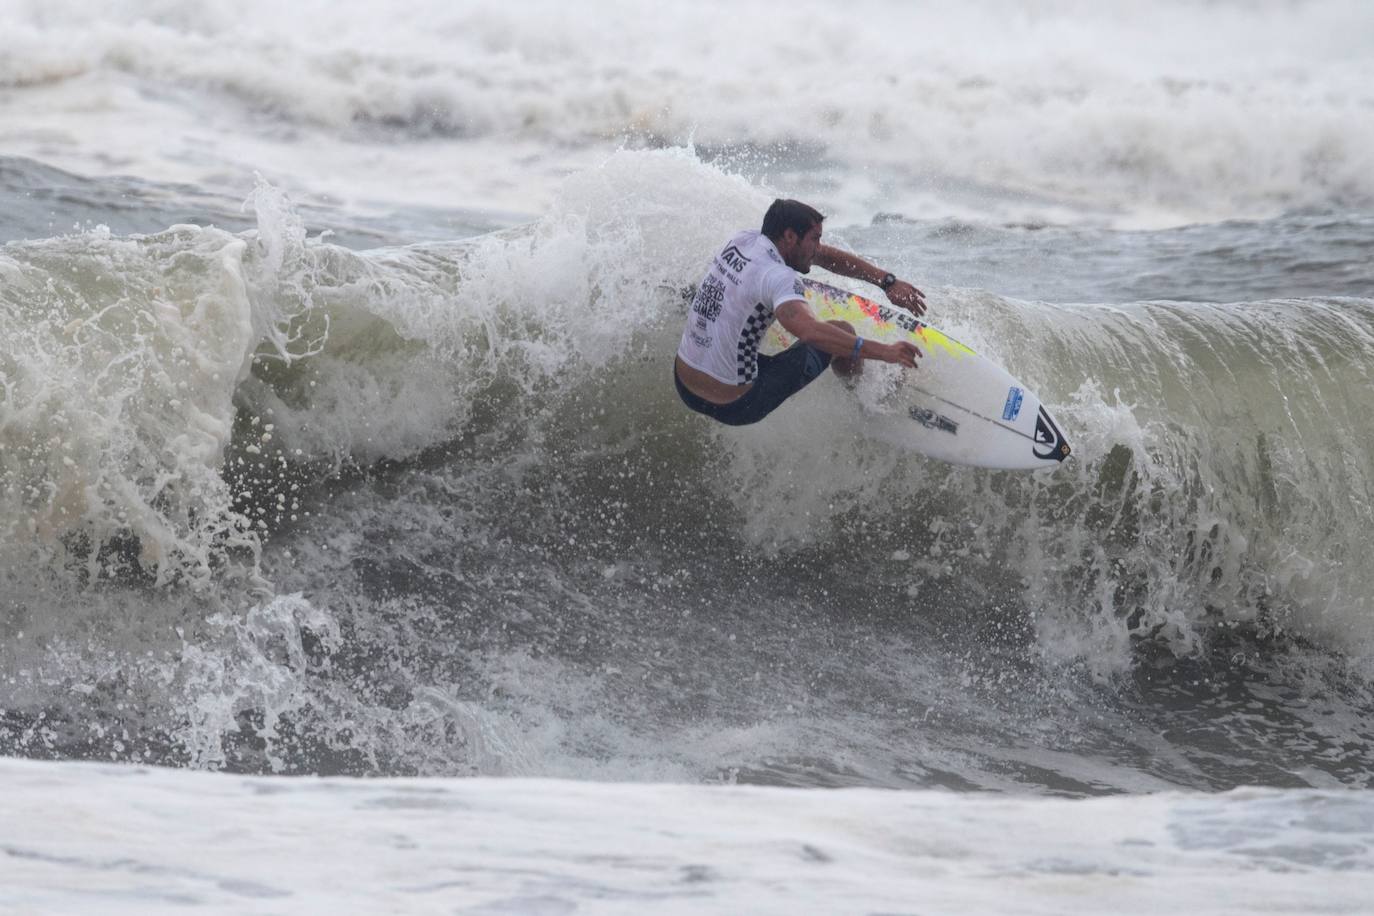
(882, 322)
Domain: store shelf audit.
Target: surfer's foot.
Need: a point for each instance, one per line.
(848, 371)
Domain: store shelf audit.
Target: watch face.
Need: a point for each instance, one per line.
(888, 280)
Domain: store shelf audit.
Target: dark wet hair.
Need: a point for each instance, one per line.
(789, 214)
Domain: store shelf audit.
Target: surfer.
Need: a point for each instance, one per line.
(753, 281)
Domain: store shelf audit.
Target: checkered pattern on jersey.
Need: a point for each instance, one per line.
(747, 351)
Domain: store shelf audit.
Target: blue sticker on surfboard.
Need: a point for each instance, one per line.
(1012, 409)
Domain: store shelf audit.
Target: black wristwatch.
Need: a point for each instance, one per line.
(887, 282)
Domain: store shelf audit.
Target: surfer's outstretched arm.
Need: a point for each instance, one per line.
(835, 340)
(847, 264)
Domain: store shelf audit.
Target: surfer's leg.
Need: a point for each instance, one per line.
(779, 377)
(844, 367)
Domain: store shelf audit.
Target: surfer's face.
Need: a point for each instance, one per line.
(802, 251)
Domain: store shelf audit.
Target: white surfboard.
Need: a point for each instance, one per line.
(956, 406)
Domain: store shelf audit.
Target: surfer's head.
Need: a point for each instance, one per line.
(795, 228)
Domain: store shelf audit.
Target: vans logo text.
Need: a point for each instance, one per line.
(734, 258)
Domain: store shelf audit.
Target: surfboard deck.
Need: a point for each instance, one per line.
(956, 406)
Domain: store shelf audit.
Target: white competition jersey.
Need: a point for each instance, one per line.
(733, 308)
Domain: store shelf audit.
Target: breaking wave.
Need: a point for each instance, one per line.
(205, 436)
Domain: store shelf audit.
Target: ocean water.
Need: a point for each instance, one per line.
(337, 436)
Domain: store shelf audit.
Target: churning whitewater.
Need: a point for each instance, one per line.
(445, 531)
(338, 438)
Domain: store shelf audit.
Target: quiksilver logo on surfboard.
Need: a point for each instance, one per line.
(1049, 441)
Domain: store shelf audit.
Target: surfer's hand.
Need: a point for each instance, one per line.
(908, 297)
(903, 353)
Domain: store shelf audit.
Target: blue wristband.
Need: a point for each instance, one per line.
(858, 345)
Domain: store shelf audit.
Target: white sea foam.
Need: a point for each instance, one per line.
(118, 384)
(1132, 113)
(166, 840)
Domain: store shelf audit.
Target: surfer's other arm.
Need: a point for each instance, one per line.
(846, 264)
(838, 339)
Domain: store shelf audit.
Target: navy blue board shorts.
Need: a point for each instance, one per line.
(779, 377)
